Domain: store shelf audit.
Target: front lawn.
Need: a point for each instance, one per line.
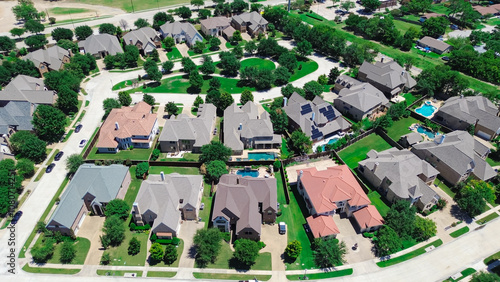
(487, 218)
(64, 11)
(119, 255)
(494, 257)
(171, 169)
(307, 68)
(103, 272)
(180, 248)
(45, 270)
(459, 232)
(174, 54)
(357, 151)
(165, 274)
(404, 26)
(261, 64)
(82, 247)
(400, 128)
(135, 154)
(208, 201)
(440, 9)
(323, 275)
(379, 203)
(133, 188)
(224, 276)
(263, 261)
(409, 255)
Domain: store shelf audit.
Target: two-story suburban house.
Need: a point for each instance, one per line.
(185, 133)
(181, 32)
(245, 128)
(242, 204)
(401, 175)
(52, 58)
(317, 118)
(129, 126)
(388, 77)
(18, 102)
(456, 155)
(101, 45)
(332, 191)
(360, 101)
(90, 189)
(164, 201)
(252, 22)
(145, 39)
(459, 113)
(215, 26)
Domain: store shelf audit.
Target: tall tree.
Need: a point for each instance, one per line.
(300, 143)
(188, 65)
(62, 33)
(313, 89)
(196, 81)
(140, 23)
(388, 241)
(328, 252)
(49, 123)
(370, 5)
(114, 232)
(435, 27)
(67, 100)
(108, 104)
(124, 98)
(6, 44)
(197, 3)
(184, 12)
(34, 26)
(73, 162)
(117, 207)
(473, 197)
(401, 218)
(246, 96)
(207, 243)
(208, 66)
(214, 151)
(36, 42)
(246, 251)
(171, 108)
(107, 28)
(28, 145)
(83, 32)
(215, 169)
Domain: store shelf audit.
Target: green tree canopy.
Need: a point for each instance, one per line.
(107, 28)
(25, 168)
(156, 253)
(171, 108)
(114, 232)
(82, 32)
(215, 169)
(473, 197)
(214, 151)
(425, 228)
(246, 96)
(67, 100)
(49, 123)
(140, 23)
(300, 143)
(388, 241)
(246, 251)
(313, 89)
(117, 207)
(110, 103)
(134, 246)
(208, 66)
(62, 33)
(73, 162)
(6, 44)
(170, 255)
(68, 252)
(28, 145)
(328, 252)
(207, 244)
(293, 249)
(124, 98)
(141, 169)
(401, 218)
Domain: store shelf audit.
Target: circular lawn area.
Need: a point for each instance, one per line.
(262, 64)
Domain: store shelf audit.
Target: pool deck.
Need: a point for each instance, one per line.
(320, 165)
(414, 129)
(324, 141)
(245, 153)
(263, 171)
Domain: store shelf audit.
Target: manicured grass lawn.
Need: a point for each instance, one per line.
(208, 201)
(492, 258)
(400, 128)
(259, 63)
(223, 276)
(165, 274)
(379, 203)
(174, 54)
(117, 272)
(263, 261)
(487, 218)
(404, 26)
(440, 9)
(82, 247)
(424, 54)
(186, 157)
(357, 151)
(459, 232)
(180, 248)
(135, 154)
(30, 269)
(441, 183)
(121, 85)
(313, 18)
(64, 11)
(410, 98)
(409, 255)
(307, 68)
(119, 255)
(331, 274)
(492, 162)
(171, 169)
(231, 46)
(411, 17)
(133, 188)
(180, 84)
(493, 21)
(138, 5)
(465, 273)
(281, 191)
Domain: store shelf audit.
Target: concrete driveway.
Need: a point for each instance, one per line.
(187, 232)
(91, 229)
(349, 236)
(275, 244)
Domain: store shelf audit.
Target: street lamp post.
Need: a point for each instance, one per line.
(132, 3)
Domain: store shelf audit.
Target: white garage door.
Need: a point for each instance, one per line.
(80, 223)
(483, 135)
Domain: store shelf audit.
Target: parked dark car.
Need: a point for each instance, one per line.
(445, 58)
(16, 217)
(78, 128)
(50, 167)
(82, 143)
(58, 156)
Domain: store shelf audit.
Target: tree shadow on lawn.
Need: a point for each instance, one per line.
(236, 264)
(459, 214)
(193, 90)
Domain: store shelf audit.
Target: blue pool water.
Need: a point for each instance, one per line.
(426, 131)
(331, 141)
(426, 110)
(252, 173)
(261, 156)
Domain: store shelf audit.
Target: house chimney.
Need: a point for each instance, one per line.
(240, 127)
(375, 166)
(382, 59)
(285, 100)
(135, 208)
(403, 73)
(300, 175)
(313, 116)
(131, 42)
(162, 175)
(117, 127)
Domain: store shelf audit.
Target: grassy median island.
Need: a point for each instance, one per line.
(409, 255)
(165, 274)
(259, 63)
(64, 11)
(459, 232)
(487, 218)
(45, 270)
(223, 276)
(323, 275)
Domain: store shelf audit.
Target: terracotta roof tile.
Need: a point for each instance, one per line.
(368, 217)
(322, 226)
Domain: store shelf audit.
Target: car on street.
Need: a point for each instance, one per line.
(282, 227)
(78, 128)
(16, 217)
(82, 143)
(50, 167)
(58, 156)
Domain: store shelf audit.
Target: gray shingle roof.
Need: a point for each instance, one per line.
(101, 43)
(26, 88)
(402, 168)
(15, 114)
(413, 138)
(187, 128)
(434, 43)
(255, 19)
(144, 35)
(363, 96)
(172, 29)
(163, 197)
(327, 119)
(215, 22)
(240, 196)
(459, 151)
(52, 56)
(472, 108)
(103, 182)
(389, 74)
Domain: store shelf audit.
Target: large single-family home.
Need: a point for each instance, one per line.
(18, 102)
(456, 155)
(388, 77)
(181, 32)
(246, 128)
(164, 201)
(360, 101)
(52, 58)
(90, 190)
(145, 39)
(185, 133)
(129, 126)
(401, 175)
(101, 45)
(214, 26)
(487, 10)
(434, 45)
(317, 118)
(387, 3)
(253, 23)
(334, 190)
(242, 204)
(459, 113)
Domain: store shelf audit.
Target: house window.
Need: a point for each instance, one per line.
(248, 232)
(269, 212)
(189, 209)
(220, 221)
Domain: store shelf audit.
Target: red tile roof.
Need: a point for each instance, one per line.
(322, 226)
(325, 187)
(368, 217)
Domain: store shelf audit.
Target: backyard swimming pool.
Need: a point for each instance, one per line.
(423, 130)
(426, 109)
(331, 141)
(261, 156)
(252, 173)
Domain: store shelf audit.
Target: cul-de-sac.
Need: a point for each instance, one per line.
(249, 140)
